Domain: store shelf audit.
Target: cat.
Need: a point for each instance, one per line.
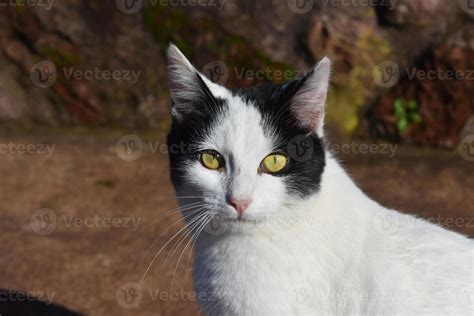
(280, 227)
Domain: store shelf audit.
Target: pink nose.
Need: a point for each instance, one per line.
(240, 205)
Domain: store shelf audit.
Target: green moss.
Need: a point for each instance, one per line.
(169, 24)
(58, 57)
(351, 93)
(106, 183)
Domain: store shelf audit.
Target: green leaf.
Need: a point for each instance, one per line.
(412, 105)
(402, 125)
(399, 106)
(415, 118)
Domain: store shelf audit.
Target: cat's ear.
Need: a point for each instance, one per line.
(308, 103)
(188, 88)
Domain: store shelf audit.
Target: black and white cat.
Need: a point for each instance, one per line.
(291, 233)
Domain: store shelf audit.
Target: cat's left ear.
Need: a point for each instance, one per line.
(189, 90)
(308, 103)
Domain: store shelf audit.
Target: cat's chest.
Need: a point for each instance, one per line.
(276, 276)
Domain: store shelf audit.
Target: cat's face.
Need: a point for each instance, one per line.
(249, 155)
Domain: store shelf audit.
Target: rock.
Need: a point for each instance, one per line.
(238, 43)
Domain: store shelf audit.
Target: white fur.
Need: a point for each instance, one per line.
(335, 253)
(337, 259)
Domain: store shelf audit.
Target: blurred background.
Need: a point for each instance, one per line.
(84, 111)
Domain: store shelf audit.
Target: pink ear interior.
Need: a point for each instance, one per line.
(309, 102)
(311, 114)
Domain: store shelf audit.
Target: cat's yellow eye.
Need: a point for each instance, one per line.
(274, 163)
(211, 160)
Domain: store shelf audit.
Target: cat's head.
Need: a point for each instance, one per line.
(247, 155)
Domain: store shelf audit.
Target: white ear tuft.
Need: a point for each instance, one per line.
(309, 101)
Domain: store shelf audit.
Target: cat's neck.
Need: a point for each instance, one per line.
(339, 191)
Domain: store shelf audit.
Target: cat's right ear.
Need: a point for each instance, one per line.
(187, 87)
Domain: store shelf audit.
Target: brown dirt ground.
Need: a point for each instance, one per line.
(83, 267)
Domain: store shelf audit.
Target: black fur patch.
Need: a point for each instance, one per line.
(305, 150)
(186, 134)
